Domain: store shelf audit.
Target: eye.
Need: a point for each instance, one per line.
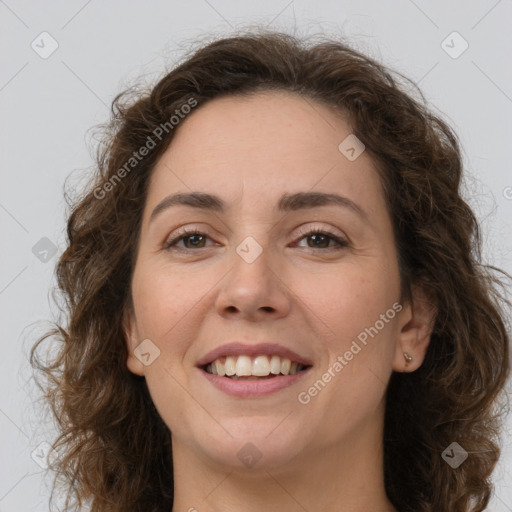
(195, 237)
(321, 238)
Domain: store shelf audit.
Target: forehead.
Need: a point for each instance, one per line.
(265, 143)
(271, 122)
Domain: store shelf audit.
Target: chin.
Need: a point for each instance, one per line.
(258, 443)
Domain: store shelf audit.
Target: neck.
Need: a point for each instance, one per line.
(347, 477)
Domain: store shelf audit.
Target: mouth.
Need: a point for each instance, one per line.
(244, 371)
(261, 367)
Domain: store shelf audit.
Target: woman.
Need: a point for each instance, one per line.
(275, 297)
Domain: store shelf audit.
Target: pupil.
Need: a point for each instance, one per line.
(194, 236)
(318, 235)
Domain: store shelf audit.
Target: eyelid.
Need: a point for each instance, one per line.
(306, 229)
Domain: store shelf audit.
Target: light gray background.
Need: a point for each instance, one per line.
(48, 106)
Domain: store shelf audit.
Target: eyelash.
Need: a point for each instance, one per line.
(342, 244)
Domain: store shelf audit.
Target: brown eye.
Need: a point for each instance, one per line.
(319, 240)
(195, 240)
(322, 239)
(192, 240)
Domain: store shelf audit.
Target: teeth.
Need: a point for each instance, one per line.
(243, 366)
(261, 366)
(230, 366)
(275, 365)
(285, 366)
(220, 368)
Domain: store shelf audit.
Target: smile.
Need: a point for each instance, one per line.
(247, 370)
(253, 368)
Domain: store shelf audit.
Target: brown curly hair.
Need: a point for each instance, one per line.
(102, 408)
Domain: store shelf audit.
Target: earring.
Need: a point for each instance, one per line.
(407, 357)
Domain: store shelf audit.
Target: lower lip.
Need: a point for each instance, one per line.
(253, 388)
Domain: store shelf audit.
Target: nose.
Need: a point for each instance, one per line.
(253, 289)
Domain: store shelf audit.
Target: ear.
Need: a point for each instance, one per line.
(132, 340)
(416, 321)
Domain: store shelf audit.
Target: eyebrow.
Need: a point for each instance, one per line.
(287, 202)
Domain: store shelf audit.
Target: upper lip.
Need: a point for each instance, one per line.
(252, 350)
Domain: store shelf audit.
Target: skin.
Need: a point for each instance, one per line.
(326, 454)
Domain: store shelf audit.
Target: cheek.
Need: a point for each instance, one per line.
(163, 303)
(348, 299)
(359, 333)
(162, 298)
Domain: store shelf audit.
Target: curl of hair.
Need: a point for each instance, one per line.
(115, 450)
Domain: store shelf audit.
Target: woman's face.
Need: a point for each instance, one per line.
(255, 292)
